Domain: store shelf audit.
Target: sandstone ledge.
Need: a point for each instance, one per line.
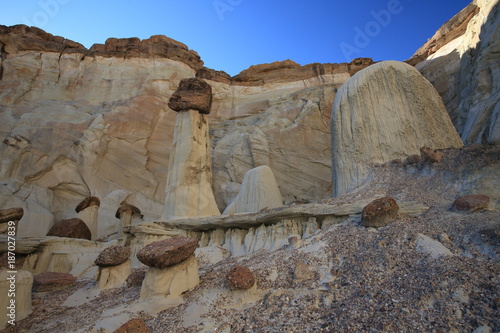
(266, 217)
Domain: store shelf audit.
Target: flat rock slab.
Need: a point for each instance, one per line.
(167, 252)
(113, 256)
(51, 281)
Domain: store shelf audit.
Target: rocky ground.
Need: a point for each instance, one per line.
(436, 272)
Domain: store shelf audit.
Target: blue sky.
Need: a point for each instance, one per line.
(231, 35)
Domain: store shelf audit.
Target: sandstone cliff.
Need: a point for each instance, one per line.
(461, 61)
(78, 123)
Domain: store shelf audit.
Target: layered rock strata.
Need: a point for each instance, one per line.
(380, 115)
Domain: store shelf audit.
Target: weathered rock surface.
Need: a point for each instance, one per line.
(22, 285)
(167, 252)
(113, 276)
(51, 281)
(192, 94)
(11, 214)
(471, 203)
(240, 277)
(171, 281)
(113, 256)
(133, 326)
(461, 61)
(259, 190)
(379, 115)
(189, 182)
(21, 38)
(71, 228)
(380, 212)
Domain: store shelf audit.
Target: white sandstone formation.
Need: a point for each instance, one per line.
(465, 71)
(259, 190)
(88, 212)
(170, 281)
(385, 112)
(189, 182)
(23, 281)
(113, 276)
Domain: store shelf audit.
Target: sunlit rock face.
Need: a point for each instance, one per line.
(461, 61)
(79, 123)
(385, 112)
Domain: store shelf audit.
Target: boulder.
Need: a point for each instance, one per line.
(240, 277)
(380, 212)
(51, 281)
(192, 94)
(259, 190)
(386, 111)
(430, 155)
(71, 228)
(133, 326)
(167, 252)
(11, 214)
(136, 278)
(471, 203)
(113, 256)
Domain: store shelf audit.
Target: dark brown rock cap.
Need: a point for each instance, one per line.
(167, 252)
(192, 94)
(11, 214)
(113, 256)
(88, 202)
(71, 228)
(51, 281)
(240, 277)
(380, 212)
(471, 203)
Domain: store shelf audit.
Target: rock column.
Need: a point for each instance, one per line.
(189, 182)
(88, 211)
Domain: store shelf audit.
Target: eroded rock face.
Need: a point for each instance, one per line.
(71, 228)
(259, 190)
(380, 212)
(189, 183)
(380, 115)
(461, 61)
(192, 94)
(172, 280)
(113, 256)
(167, 252)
